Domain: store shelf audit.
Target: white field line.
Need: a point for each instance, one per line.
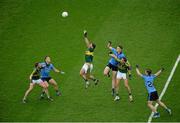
(166, 85)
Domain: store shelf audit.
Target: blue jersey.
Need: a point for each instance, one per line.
(46, 68)
(119, 56)
(148, 81)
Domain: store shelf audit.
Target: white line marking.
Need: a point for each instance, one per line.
(166, 85)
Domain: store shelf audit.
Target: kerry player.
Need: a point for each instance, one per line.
(124, 69)
(87, 68)
(112, 64)
(35, 79)
(152, 92)
(47, 66)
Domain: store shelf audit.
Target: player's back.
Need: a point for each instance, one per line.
(149, 80)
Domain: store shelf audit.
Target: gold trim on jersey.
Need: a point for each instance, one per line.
(89, 53)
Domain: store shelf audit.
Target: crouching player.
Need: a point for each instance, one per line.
(124, 69)
(35, 79)
(152, 93)
(86, 70)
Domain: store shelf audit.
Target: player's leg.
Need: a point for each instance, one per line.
(55, 85)
(164, 106)
(45, 86)
(114, 73)
(31, 86)
(91, 76)
(84, 74)
(151, 98)
(117, 88)
(107, 71)
(126, 84)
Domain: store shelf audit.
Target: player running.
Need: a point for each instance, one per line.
(112, 64)
(47, 66)
(87, 68)
(35, 79)
(152, 93)
(124, 69)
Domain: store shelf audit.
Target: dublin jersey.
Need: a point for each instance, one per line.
(149, 80)
(89, 55)
(46, 68)
(119, 56)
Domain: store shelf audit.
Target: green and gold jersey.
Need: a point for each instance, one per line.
(89, 55)
(124, 67)
(36, 74)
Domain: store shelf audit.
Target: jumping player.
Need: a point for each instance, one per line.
(35, 79)
(47, 66)
(124, 69)
(112, 64)
(152, 93)
(86, 70)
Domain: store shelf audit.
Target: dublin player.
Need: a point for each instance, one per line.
(35, 80)
(47, 66)
(112, 64)
(152, 92)
(86, 70)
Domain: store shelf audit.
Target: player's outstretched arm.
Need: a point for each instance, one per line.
(58, 71)
(86, 39)
(137, 70)
(159, 72)
(109, 45)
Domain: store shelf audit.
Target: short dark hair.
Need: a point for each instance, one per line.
(94, 45)
(149, 71)
(36, 64)
(125, 59)
(120, 46)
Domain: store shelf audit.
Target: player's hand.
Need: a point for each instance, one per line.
(85, 33)
(61, 72)
(137, 66)
(130, 76)
(162, 69)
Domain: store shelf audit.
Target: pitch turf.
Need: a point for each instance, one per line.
(31, 29)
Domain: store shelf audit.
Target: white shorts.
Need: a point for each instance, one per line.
(37, 81)
(121, 75)
(87, 67)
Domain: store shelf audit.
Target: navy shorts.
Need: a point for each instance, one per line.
(153, 96)
(112, 67)
(46, 79)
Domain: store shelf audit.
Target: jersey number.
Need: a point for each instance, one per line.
(150, 84)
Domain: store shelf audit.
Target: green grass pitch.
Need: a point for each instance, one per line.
(31, 29)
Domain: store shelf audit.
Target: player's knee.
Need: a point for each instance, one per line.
(105, 73)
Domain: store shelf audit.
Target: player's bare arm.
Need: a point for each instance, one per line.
(137, 70)
(86, 39)
(58, 71)
(30, 77)
(159, 72)
(109, 45)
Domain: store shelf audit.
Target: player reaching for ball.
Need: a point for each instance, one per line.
(47, 66)
(112, 64)
(35, 79)
(86, 70)
(124, 69)
(152, 93)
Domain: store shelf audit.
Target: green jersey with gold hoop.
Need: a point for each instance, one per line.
(89, 54)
